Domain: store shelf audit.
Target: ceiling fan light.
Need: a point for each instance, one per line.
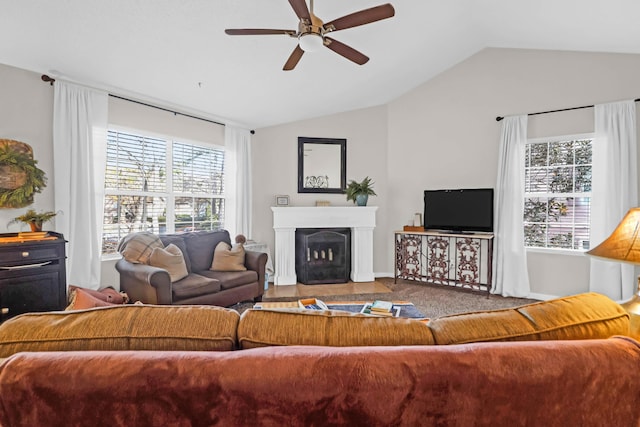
(310, 42)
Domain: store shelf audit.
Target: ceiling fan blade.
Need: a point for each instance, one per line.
(293, 59)
(362, 17)
(348, 52)
(257, 32)
(301, 9)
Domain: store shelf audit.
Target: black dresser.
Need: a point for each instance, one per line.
(32, 274)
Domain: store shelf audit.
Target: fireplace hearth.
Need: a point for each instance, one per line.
(323, 255)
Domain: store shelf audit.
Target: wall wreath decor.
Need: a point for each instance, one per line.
(20, 177)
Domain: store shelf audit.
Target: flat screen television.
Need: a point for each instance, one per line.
(460, 210)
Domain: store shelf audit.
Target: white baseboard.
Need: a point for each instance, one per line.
(390, 275)
(542, 297)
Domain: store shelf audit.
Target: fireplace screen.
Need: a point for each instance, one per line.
(323, 255)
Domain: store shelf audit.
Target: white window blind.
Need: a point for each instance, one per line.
(161, 186)
(558, 193)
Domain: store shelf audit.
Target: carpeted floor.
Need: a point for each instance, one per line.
(432, 300)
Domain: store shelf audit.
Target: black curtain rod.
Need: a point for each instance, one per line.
(50, 80)
(557, 111)
(177, 113)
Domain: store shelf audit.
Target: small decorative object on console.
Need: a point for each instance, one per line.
(34, 219)
(417, 219)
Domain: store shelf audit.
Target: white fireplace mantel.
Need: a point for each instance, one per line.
(361, 220)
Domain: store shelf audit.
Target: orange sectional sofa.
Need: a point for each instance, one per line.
(554, 363)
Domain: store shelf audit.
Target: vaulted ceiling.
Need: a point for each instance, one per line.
(175, 52)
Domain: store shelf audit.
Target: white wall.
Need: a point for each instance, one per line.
(155, 121)
(275, 168)
(26, 115)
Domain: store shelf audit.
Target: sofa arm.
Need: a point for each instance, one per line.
(141, 282)
(257, 262)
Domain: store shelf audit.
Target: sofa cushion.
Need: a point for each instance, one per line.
(226, 258)
(176, 239)
(122, 327)
(171, 259)
(583, 316)
(200, 246)
(260, 328)
(136, 247)
(194, 285)
(232, 279)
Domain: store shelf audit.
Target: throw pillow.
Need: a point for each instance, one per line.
(137, 247)
(107, 294)
(226, 258)
(171, 259)
(80, 300)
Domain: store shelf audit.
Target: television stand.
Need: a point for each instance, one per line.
(462, 260)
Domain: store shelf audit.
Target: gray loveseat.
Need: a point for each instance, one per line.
(152, 285)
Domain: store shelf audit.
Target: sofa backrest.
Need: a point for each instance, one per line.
(200, 247)
(584, 383)
(197, 246)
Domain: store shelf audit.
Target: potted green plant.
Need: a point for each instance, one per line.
(34, 219)
(359, 192)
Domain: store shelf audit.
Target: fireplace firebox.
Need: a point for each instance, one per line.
(323, 255)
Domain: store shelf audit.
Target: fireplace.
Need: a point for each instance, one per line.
(361, 220)
(323, 255)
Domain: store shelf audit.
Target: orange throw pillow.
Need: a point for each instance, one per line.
(81, 300)
(107, 294)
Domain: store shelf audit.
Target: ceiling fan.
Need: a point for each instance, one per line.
(312, 32)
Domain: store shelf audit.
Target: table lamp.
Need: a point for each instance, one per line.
(624, 245)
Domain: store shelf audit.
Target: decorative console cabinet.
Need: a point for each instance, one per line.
(461, 260)
(32, 274)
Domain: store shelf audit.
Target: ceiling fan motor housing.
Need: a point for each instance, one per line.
(311, 34)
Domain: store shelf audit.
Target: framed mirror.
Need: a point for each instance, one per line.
(322, 165)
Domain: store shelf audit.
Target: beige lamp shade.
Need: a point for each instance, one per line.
(624, 245)
(624, 242)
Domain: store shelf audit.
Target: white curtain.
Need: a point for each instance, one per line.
(511, 277)
(79, 147)
(614, 192)
(237, 181)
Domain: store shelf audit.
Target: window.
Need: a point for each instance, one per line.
(160, 185)
(557, 204)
